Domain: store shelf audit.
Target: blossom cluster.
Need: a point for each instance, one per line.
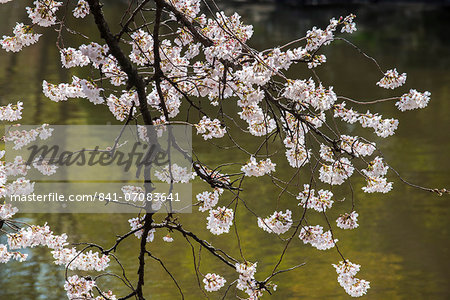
(44, 12)
(11, 112)
(320, 203)
(23, 36)
(392, 79)
(277, 223)
(315, 236)
(346, 271)
(257, 169)
(305, 93)
(220, 220)
(355, 146)
(213, 282)
(20, 186)
(413, 100)
(246, 281)
(81, 10)
(83, 261)
(375, 172)
(210, 128)
(78, 88)
(382, 127)
(44, 166)
(337, 172)
(34, 235)
(121, 107)
(130, 191)
(79, 287)
(71, 57)
(175, 174)
(136, 223)
(348, 220)
(228, 34)
(296, 152)
(209, 199)
(21, 138)
(7, 211)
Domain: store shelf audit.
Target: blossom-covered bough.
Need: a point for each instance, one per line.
(168, 53)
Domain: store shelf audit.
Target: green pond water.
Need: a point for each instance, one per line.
(403, 239)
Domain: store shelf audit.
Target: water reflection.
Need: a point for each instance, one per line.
(402, 242)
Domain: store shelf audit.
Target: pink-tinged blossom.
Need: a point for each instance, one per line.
(355, 145)
(79, 288)
(254, 73)
(190, 8)
(20, 186)
(382, 127)
(44, 167)
(316, 61)
(376, 168)
(83, 261)
(29, 237)
(257, 169)
(44, 12)
(142, 48)
(16, 168)
(96, 53)
(71, 57)
(228, 34)
(337, 172)
(79, 88)
(210, 128)
(277, 223)
(392, 79)
(375, 172)
(346, 277)
(346, 114)
(413, 100)
(23, 36)
(305, 93)
(121, 107)
(175, 174)
(377, 185)
(348, 220)
(11, 112)
(220, 220)
(21, 138)
(91, 91)
(209, 199)
(296, 152)
(315, 38)
(136, 223)
(349, 25)
(172, 99)
(213, 282)
(315, 236)
(81, 10)
(246, 281)
(7, 211)
(261, 126)
(112, 70)
(326, 153)
(299, 90)
(320, 203)
(5, 256)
